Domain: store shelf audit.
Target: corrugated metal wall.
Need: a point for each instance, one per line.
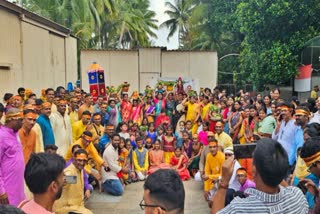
(119, 66)
(10, 52)
(39, 58)
(144, 68)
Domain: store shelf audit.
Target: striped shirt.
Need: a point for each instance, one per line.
(288, 200)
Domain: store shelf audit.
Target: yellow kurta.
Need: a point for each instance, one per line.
(91, 150)
(213, 169)
(137, 167)
(205, 110)
(62, 131)
(224, 140)
(72, 196)
(39, 140)
(77, 130)
(73, 117)
(192, 112)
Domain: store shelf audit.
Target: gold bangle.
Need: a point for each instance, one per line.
(3, 196)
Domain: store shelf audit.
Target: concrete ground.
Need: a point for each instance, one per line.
(101, 203)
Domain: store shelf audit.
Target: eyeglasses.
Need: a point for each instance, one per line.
(143, 205)
(312, 165)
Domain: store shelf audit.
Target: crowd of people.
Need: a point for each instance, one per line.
(110, 142)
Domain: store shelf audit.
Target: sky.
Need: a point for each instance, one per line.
(159, 7)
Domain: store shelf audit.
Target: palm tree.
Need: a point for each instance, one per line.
(179, 14)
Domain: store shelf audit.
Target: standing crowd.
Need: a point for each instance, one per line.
(56, 148)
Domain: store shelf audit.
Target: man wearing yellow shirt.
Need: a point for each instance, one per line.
(86, 143)
(213, 169)
(82, 125)
(224, 140)
(140, 160)
(73, 110)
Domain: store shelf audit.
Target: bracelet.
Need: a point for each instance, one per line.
(223, 186)
(3, 196)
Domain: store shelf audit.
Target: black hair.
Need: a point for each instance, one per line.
(75, 146)
(7, 96)
(41, 170)
(166, 189)
(115, 135)
(59, 88)
(49, 89)
(310, 147)
(88, 133)
(87, 95)
(95, 114)
(271, 161)
(5, 209)
(80, 151)
(250, 117)
(50, 146)
(87, 113)
(1, 107)
(312, 129)
(21, 89)
(28, 111)
(39, 102)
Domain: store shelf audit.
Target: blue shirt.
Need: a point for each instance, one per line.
(286, 137)
(46, 129)
(104, 140)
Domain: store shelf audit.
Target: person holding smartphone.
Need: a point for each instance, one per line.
(285, 130)
(72, 198)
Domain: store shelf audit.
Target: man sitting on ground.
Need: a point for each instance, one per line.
(243, 180)
(163, 193)
(72, 198)
(270, 167)
(111, 182)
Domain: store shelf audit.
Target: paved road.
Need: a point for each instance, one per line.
(101, 203)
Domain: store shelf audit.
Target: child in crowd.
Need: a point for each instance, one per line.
(160, 132)
(151, 133)
(148, 144)
(140, 159)
(144, 125)
(123, 156)
(179, 163)
(203, 135)
(189, 127)
(131, 173)
(124, 130)
(156, 158)
(168, 144)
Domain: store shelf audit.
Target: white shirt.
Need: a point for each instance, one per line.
(110, 156)
(234, 183)
(315, 118)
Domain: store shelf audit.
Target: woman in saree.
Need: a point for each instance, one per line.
(160, 103)
(170, 107)
(235, 121)
(126, 108)
(114, 112)
(149, 109)
(136, 115)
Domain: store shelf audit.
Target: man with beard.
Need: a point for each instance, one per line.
(45, 178)
(302, 118)
(11, 160)
(71, 200)
(61, 126)
(45, 125)
(105, 139)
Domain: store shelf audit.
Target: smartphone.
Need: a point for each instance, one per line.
(242, 151)
(71, 179)
(301, 185)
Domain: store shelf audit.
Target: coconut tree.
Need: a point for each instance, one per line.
(179, 14)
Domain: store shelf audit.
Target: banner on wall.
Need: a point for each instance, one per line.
(194, 83)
